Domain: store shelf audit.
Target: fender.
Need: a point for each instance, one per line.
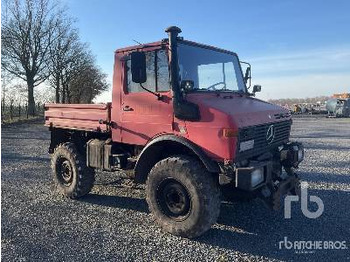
(153, 152)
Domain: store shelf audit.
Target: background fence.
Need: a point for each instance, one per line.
(12, 111)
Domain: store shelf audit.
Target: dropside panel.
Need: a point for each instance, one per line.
(78, 116)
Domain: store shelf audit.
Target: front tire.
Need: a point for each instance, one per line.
(183, 196)
(72, 177)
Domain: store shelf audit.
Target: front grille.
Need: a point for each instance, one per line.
(259, 133)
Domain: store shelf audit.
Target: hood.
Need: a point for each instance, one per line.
(243, 110)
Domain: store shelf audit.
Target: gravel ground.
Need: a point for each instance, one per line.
(113, 223)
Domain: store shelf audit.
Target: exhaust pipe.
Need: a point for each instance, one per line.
(183, 109)
(173, 32)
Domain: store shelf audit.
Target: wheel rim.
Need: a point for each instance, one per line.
(64, 171)
(174, 199)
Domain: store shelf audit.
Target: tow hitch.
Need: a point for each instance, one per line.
(272, 193)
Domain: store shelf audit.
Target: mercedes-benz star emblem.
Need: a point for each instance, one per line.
(270, 134)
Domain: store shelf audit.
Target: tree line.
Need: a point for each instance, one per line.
(292, 101)
(41, 46)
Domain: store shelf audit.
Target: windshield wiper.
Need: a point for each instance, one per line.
(222, 90)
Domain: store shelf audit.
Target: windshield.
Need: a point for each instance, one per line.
(210, 70)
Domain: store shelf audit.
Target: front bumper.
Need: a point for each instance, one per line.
(266, 179)
(260, 173)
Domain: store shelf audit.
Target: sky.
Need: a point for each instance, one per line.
(297, 49)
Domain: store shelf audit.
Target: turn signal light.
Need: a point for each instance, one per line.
(229, 132)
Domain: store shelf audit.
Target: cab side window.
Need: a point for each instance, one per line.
(150, 72)
(163, 79)
(157, 71)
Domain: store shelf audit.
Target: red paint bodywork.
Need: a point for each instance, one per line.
(227, 111)
(151, 117)
(78, 116)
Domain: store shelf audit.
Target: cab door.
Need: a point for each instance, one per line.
(143, 115)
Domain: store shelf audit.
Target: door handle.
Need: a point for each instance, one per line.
(127, 108)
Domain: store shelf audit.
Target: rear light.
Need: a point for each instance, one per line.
(229, 132)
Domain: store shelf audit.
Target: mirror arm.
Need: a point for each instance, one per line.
(159, 96)
(245, 78)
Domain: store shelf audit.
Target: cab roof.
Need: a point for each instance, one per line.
(164, 42)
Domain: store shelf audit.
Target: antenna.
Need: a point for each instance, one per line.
(137, 42)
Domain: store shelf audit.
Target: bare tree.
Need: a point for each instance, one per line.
(73, 71)
(26, 35)
(74, 74)
(44, 94)
(81, 59)
(76, 58)
(63, 53)
(87, 82)
(6, 79)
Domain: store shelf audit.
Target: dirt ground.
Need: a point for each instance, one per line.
(113, 223)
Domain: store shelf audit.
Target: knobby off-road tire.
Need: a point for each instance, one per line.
(72, 177)
(183, 196)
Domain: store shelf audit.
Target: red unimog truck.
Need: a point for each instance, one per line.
(182, 119)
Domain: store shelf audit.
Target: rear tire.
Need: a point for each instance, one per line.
(183, 196)
(72, 177)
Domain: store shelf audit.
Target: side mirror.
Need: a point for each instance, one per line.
(186, 85)
(256, 88)
(138, 67)
(247, 75)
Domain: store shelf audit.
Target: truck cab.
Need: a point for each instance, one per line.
(183, 121)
